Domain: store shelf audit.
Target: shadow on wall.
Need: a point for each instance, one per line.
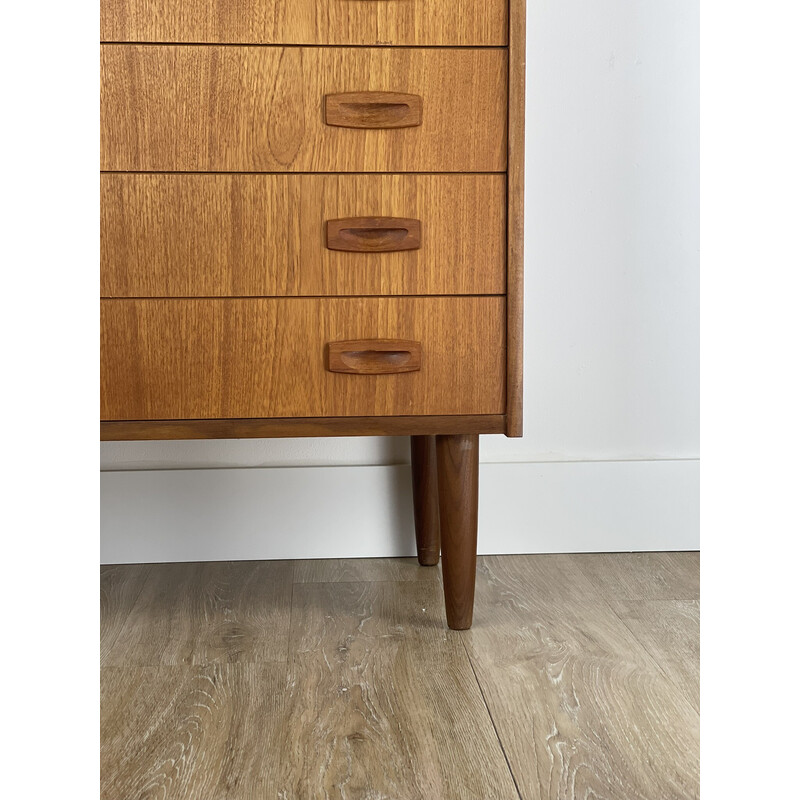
(231, 514)
(222, 453)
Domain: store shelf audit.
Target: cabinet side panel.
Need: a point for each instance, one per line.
(516, 216)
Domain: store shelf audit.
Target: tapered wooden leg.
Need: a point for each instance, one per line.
(457, 465)
(426, 498)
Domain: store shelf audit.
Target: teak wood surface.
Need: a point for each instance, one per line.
(299, 427)
(217, 108)
(361, 22)
(457, 469)
(425, 490)
(338, 678)
(373, 110)
(185, 235)
(374, 356)
(227, 303)
(373, 234)
(218, 358)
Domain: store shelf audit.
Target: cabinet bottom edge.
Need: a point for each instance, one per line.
(277, 428)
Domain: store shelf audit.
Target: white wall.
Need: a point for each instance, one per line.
(611, 335)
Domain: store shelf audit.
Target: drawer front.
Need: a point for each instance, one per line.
(263, 109)
(363, 22)
(233, 358)
(169, 235)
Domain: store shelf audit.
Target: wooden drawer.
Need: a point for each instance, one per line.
(262, 109)
(413, 22)
(228, 358)
(169, 235)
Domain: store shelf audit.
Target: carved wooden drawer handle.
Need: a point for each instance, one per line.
(374, 356)
(373, 110)
(373, 234)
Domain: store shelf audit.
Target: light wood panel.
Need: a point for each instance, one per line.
(338, 570)
(642, 576)
(373, 711)
(263, 235)
(551, 576)
(120, 586)
(191, 733)
(377, 698)
(364, 22)
(670, 632)
(201, 358)
(210, 108)
(204, 613)
(580, 707)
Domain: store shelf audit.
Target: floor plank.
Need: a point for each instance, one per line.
(670, 632)
(328, 570)
(191, 733)
(198, 614)
(552, 575)
(581, 708)
(295, 681)
(120, 586)
(642, 576)
(375, 715)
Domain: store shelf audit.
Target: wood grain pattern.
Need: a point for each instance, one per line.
(361, 570)
(210, 108)
(185, 732)
(374, 356)
(373, 712)
(120, 586)
(580, 707)
(670, 632)
(304, 426)
(457, 469)
(264, 235)
(642, 576)
(363, 22)
(516, 217)
(378, 698)
(212, 359)
(373, 110)
(425, 491)
(373, 234)
(204, 613)
(363, 710)
(553, 576)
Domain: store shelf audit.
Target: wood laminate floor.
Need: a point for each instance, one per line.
(339, 679)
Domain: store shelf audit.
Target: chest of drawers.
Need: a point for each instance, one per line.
(311, 225)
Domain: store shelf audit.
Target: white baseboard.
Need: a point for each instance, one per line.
(353, 512)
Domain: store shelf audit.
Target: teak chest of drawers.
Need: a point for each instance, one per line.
(311, 225)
